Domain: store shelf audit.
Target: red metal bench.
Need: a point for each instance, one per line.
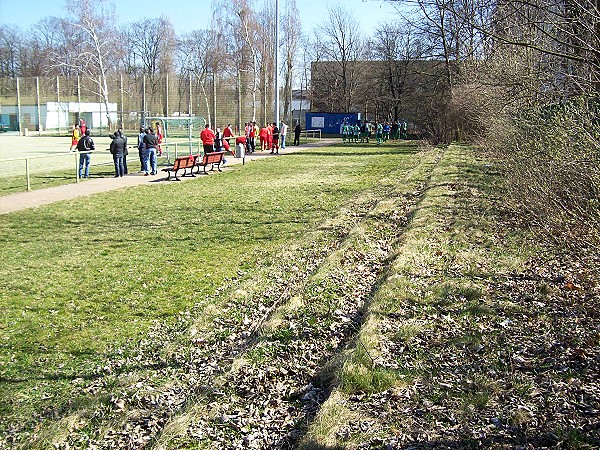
(182, 162)
(212, 159)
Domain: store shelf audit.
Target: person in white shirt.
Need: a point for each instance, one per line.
(283, 132)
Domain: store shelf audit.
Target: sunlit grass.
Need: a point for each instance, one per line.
(86, 276)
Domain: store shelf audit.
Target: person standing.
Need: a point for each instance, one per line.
(159, 139)
(263, 136)
(228, 133)
(379, 133)
(150, 144)
(218, 140)
(85, 146)
(117, 149)
(297, 131)
(253, 133)
(283, 133)
(269, 136)
(275, 139)
(140, 146)
(207, 136)
(75, 137)
(126, 152)
(82, 126)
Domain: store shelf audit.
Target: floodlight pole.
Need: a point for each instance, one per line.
(277, 63)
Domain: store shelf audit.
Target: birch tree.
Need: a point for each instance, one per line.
(95, 39)
(290, 43)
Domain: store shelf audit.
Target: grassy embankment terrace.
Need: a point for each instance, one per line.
(337, 297)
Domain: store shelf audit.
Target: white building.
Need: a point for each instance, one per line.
(58, 115)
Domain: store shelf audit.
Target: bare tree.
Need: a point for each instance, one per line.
(195, 50)
(11, 46)
(95, 37)
(152, 44)
(238, 22)
(396, 45)
(340, 42)
(291, 41)
(266, 56)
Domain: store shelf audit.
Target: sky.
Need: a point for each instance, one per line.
(194, 14)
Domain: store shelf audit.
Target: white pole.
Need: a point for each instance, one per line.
(277, 63)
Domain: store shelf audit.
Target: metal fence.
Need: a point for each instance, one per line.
(54, 104)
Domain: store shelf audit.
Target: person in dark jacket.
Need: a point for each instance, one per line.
(117, 148)
(297, 131)
(141, 147)
(126, 152)
(85, 147)
(149, 153)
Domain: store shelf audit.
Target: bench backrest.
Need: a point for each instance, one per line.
(214, 157)
(184, 162)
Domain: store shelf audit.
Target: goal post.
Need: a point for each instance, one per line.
(178, 133)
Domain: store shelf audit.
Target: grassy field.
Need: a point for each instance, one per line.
(329, 299)
(51, 163)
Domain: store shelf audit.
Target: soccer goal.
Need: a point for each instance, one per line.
(176, 134)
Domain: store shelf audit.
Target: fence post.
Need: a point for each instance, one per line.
(190, 97)
(19, 108)
(121, 89)
(167, 95)
(27, 174)
(79, 99)
(57, 101)
(37, 102)
(214, 100)
(239, 103)
(144, 101)
(77, 166)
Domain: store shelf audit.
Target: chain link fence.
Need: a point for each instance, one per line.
(51, 105)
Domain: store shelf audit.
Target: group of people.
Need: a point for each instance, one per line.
(149, 147)
(84, 144)
(150, 139)
(271, 137)
(384, 131)
(77, 132)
